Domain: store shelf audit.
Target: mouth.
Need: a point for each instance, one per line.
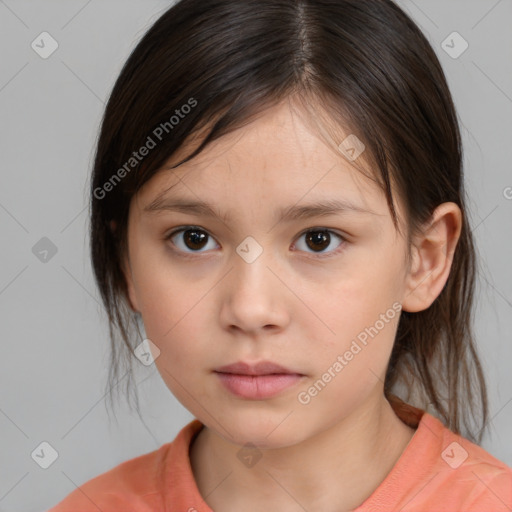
(255, 369)
(257, 381)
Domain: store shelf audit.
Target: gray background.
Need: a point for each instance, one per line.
(54, 336)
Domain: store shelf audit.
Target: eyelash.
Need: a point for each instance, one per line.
(192, 255)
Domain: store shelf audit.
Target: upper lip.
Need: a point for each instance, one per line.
(260, 368)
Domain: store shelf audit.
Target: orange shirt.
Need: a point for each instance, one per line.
(438, 471)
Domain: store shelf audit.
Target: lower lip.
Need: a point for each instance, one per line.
(258, 387)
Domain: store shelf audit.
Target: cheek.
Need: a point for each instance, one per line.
(182, 353)
(350, 303)
(175, 323)
(176, 311)
(165, 298)
(359, 312)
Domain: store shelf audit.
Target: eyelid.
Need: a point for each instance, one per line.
(321, 255)
(343, 237)
(180, 229)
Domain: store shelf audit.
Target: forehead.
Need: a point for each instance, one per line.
(277, 157)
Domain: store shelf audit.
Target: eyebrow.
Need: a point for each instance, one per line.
(290, 213)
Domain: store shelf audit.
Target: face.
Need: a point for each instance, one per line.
(266, 278)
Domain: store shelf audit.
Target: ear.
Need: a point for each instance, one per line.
(127, 272)
(432, 257)
(132, 296)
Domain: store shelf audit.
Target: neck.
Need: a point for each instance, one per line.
(336, 470)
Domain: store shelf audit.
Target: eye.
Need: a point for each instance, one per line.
(190, 237)
(318, 240)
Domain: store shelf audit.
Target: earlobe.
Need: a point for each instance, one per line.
(432, 257)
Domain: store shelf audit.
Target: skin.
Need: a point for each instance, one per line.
(289, 306)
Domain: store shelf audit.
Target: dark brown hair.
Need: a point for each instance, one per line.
(362, 64)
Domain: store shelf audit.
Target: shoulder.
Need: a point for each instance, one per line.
(441, 471)
(145, 483)
(132, 485)
(482, 481)
(460, 475)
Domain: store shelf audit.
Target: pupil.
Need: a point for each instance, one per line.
(318, 237)
(316, 240)
(195, 239)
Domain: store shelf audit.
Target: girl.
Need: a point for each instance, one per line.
(277, 197)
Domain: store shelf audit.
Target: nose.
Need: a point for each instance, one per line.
(254, 298)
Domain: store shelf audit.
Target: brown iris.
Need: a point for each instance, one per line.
(195, 238)
(318, 239)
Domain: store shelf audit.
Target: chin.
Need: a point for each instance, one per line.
(268, 434)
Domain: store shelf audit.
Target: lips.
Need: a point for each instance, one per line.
(260, 368)
(259, 381)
